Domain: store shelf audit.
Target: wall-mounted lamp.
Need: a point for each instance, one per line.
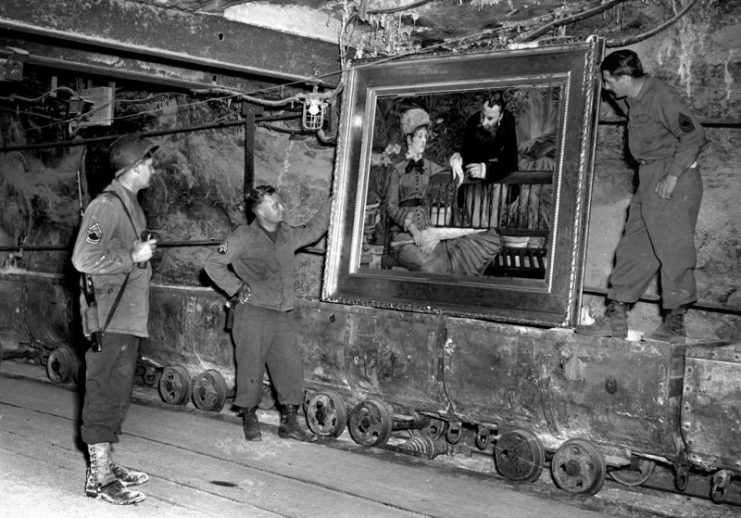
(315, 108)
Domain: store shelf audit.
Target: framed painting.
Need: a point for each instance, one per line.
(463, 183)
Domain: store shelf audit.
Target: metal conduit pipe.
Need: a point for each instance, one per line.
(159, 133)
(163, 244)
(709, 123)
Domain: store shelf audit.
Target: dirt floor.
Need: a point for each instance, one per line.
(201, 466)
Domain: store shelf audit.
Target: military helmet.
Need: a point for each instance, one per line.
(128, 150)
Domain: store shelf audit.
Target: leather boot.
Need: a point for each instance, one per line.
(250, 424)
(671, 329)
(102, 483)
(129, 477)
(289, 428)
(614, 323)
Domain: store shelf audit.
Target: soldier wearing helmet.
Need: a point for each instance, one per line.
(114, 259)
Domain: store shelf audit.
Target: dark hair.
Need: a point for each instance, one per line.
(495, 99)
(622, 63)
(256, 195)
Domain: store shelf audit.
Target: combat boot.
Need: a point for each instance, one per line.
(102, 483)
(671, 329)
(614, 323)
(289, 428)
(250, 424)
(129, 477)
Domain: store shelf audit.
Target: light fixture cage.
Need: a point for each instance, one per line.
(315, 110)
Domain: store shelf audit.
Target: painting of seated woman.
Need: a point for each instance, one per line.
(460, 184)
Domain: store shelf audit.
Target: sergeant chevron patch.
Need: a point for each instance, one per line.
(94, 234)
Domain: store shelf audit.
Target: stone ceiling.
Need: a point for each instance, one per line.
(397, 26)
(232, 43)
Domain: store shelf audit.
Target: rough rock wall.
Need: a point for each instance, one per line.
(196, 195)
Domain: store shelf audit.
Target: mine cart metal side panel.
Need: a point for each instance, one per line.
(37, 306)
(388, 354)
(711, 406)
(561, 385)
(356, 351)
(186, 327)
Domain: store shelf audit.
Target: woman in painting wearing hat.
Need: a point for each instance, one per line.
(415, 243)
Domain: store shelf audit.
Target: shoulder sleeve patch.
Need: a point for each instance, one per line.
(223, 247)
(685, 123)
(94, 234)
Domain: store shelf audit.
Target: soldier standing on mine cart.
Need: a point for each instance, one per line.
(665, 137)
(115, 311)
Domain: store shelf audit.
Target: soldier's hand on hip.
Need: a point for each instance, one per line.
(244, 293)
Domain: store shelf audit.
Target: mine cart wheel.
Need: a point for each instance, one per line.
(634, 476)
(484, 437)
(175, 385)
(371, 423)
(519, 455)
(719, 486)
(434, 429)
(681, 477)
(151, 376)
(209, 391)
(579, 467)
(61, 365)
(326, 414)
(454, 432)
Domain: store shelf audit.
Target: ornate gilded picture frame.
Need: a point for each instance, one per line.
(463, 183)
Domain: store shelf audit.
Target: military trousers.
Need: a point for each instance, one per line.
(266, 337)
(109, 379)
(659, 237)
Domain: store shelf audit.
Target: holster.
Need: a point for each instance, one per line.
(92, 325)
(229, 319)
(231, 305)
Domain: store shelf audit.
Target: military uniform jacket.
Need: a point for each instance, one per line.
(661, 127)
(250, 256)
(103, 249)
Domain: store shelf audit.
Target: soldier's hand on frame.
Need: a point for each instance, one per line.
(666, 186)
